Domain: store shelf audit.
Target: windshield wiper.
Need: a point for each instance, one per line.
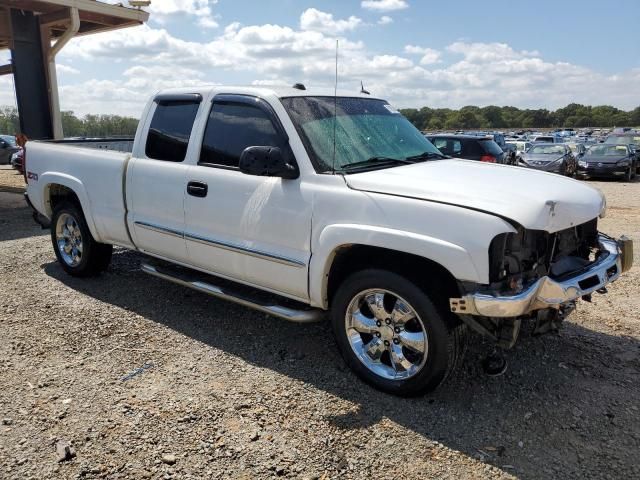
(373, 161)
(428, 156)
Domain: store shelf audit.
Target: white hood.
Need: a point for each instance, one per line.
(536, 200)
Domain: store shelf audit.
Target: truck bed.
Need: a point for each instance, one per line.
(96, 175)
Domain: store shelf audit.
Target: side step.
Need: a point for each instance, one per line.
(201, 282)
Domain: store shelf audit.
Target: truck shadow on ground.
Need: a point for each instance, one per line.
(544, 418)
(16, 221)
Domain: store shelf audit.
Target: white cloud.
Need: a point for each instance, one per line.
(129, 94)
(313, 19)
(474, 73)
(384, 5)
(163, 11)
(385, 20)
(7, 97)
(62, 68)
(429, 55)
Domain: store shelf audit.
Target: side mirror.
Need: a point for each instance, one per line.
(3, 144)
(633, 147)
(266, 162)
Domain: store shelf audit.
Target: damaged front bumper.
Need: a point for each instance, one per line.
(616, 257)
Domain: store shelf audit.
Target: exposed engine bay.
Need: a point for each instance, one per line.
(519, 259)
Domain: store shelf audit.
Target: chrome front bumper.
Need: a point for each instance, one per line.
(616, 257)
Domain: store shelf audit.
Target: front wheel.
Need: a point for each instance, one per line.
(76, 250)
(392, 335)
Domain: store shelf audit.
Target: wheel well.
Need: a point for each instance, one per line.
(59, 193)
(427, 274)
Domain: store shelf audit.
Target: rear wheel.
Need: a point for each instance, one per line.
(75, 248)
(391, 334)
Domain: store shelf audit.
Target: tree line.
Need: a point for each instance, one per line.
(73, 126)
(467, 118)
(492, 117)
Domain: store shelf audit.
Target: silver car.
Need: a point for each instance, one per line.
(550, 157)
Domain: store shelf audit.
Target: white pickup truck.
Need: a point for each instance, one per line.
(331, 203)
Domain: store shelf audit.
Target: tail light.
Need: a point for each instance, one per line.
(488, 158)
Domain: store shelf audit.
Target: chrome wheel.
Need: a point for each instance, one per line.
(386, 334)
(69, 239)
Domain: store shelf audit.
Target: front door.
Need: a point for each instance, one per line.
(248, 228)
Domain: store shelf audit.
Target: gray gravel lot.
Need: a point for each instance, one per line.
(145, 379)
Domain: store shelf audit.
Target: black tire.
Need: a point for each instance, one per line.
(446, 336)
(629, 176)
(94, 257)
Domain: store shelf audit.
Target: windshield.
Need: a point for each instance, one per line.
(623, 139)
(364, 129)
(11, 140)
(547, 150)
(612, 150)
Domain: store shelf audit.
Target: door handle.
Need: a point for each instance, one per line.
(197, 189)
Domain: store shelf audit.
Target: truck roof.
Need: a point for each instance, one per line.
(262, 91)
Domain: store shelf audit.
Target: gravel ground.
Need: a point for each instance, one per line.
(145, 379)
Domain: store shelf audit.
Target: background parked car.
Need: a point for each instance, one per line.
(547, 139)
(578, 149)
(7, 148)
(521, 147)
(556, 158)
(17, 160)
(609, 160)
(469, 147)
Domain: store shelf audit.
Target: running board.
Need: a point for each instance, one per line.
(271, 308)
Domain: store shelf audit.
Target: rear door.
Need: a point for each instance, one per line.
(248, 228)
(156, 177)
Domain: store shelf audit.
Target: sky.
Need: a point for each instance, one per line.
(414, 53)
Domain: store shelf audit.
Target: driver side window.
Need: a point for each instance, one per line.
(231, 128)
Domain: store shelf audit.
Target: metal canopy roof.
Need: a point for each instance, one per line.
(94, 16)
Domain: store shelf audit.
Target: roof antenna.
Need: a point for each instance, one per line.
(362, 90)
(335, 111)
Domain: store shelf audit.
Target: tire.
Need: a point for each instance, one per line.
(439, 337)
(629, 176)
(75, 248)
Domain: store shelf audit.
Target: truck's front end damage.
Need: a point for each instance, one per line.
(539, 276)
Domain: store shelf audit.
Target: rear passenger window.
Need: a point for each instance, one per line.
(231, 128)
(170, 130)
(448, 146)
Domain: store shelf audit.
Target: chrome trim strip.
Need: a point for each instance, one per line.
(227, 246)
(248, 251)
(159, 229)
(293, 315)
(545, 292)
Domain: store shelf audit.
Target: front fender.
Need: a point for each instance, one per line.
(48, 179)
(452, 257)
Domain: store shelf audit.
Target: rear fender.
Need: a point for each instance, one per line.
(49, 179)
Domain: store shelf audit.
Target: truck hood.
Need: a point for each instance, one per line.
(535, 200)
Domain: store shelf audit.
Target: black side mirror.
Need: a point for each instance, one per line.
(266, 162)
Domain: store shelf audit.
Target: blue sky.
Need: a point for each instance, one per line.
(414, 53)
